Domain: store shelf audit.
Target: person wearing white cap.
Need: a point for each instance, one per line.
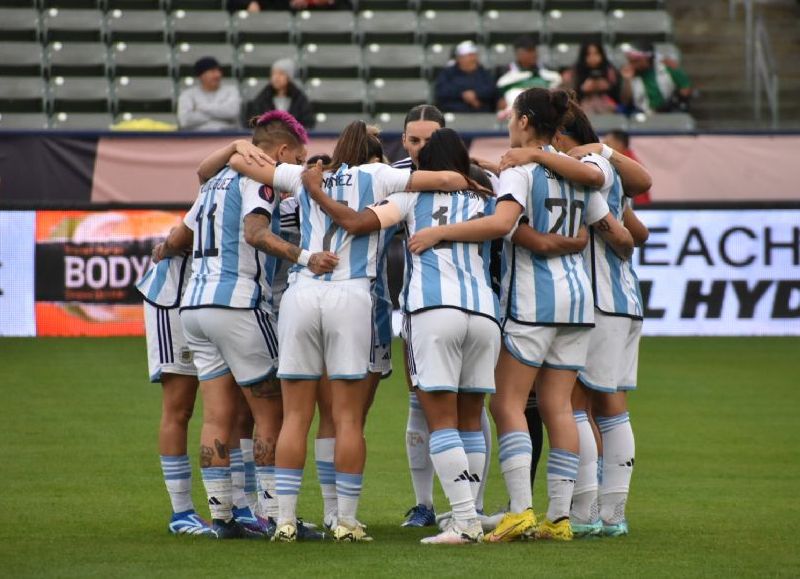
(466, 86)
(281, 93)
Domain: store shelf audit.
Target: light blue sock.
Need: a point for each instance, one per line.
(178, 478)
(348, 493)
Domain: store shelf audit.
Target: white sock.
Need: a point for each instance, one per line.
(619, 451)
(475, 449)
(217, 481)
(250, 481)
(562, 470)
(450, 461)
(324, 449)
(585, 509)
(237, 478)
(267, 495)
(419, 460)
(348, 491)
(287, 486)
(486, 428)
(516, 454)
(178, 478)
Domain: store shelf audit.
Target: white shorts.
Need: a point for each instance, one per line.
(167, 351)
(325, 327)
(380, 360)
(242, 342)
(559, 347)
(613, 358)
(452, 351)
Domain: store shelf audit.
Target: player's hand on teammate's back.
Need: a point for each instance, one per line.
(583, 237)
(252, 154)
(519, 156)
(312, 179)
(583, 150)
(424, 239)
(323, 262)
(158, 253)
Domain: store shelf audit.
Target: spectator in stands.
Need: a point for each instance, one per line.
(596, 81)
(281, 93)
(466, 86)
(209, 105)
(294, 5)
(653, 84)
(523, 73)
(620, 141)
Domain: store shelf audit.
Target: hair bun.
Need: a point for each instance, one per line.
(559, 99)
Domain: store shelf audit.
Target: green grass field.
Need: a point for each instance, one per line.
(715, 491)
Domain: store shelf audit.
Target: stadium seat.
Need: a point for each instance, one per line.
(394, 60)
(144, 94)
(77, 58)
(473, 122)
(575, 25)
(81, 25)
(141, 59)
(331, 60)
(394, 122)
(257, 59)
(45, 4)
(250, 87)
(609, 122)
(195, 4)
(186, 54)
(571, 4)
(337, 96)
(648, 25)
(500, 56)
(170, 118)
(134, 4)
(23, 121)
(325, 27)
(334, 122)
(559, 55)
(22, 94)
(508, 5)
(137, 26)
(21, 58)
(200, 26)
(269, 27)
(668, 50)
(398, 95)
(387, 26)
(661, 123)
(663, 49)
(507, 25)
(447, 4)
(447, 26)
(81, 121)
(361, 5)
(76, 94)
(437, 56)
(19, 24)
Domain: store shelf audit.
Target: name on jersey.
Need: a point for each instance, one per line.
(217, 184)
(338, 180)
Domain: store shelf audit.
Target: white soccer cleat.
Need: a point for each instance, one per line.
(454, 535)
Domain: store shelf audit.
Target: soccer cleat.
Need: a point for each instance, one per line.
(232, 530)
(580, 531)
(285, 534)
(420, 516)
(490, 522)
(330, 522)
(453, 535)
(558, 531)
(308, 532)
(347, 534)
(618, 530)
(513, 526)
(188, 523)
(251, 522)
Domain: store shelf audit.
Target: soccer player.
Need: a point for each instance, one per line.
(325, 324)
(613, 347)
(228, 330)
(547, 305)
(169, 361)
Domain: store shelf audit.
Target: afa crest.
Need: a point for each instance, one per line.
(267, 193)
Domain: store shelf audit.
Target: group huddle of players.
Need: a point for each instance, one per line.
(272, 297)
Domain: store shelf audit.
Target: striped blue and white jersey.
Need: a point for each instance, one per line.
(450, 274)
(286, 225)
(163, 283)
(542, 290)
(226, 271)
(614, 283)
(357, 187)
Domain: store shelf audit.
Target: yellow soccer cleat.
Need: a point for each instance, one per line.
(347, 534)
(560, 531)
(285, 534)
(513, 526)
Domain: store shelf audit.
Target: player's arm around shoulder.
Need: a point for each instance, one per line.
(618, 238)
